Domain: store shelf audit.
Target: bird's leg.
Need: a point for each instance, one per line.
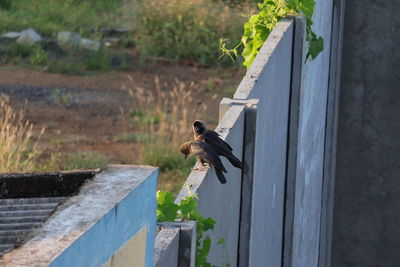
(204, 164)
(203, 167)
(197, 168)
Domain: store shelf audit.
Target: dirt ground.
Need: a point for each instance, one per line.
(88, 113)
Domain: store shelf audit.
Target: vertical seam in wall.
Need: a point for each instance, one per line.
(241, 188)
(288, 147)
(325, 175)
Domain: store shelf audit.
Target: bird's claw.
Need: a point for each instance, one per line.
(200, 168)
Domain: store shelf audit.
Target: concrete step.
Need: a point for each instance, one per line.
(26, 219)
(42, 200)
(5, 247)
(25, 213)
(45, 206)
(11, 233)
(8, 239)
(19, 226)
(21, 215)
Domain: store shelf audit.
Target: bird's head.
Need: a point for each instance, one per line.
(185, 149)
(199, 127)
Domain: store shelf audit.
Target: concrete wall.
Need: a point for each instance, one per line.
(311, 145)
(133, 253)
(284, 182)
(268, 79)
(219, 201)
(367, 191)
(113, 214)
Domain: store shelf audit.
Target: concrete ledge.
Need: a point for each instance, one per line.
(166, 250)
(270, 49)
(90, 227)
(186, 245)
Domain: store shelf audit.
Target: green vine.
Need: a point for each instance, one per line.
(168, 210)
(260, 25)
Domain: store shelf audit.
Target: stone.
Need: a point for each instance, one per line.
(11, 35)
(111, 41)
(90, 44)
(69, 38)
(29, 37)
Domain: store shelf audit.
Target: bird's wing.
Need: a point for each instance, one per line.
(220, 176)
(207, 153)
(215, 141)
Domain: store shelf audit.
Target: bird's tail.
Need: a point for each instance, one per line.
(220, 175)
(235, 161)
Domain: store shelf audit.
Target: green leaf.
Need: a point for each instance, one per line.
(221, 241)
(208, 224)
(206, 245)
(315, 47)
(257, 29)
(166, 208)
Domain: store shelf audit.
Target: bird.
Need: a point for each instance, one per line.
(205, 154)
(222, 148)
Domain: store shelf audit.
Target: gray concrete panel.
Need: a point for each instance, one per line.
(268, 79)
(166, 248)
(367, 190)
(290, 187)
(332, 118)
(311, 143)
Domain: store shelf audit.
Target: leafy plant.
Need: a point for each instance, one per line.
(5, 4)
(260, 25)
(306, 7)
(98, 61)
(20, 50)
(186, 209)
(38, 56)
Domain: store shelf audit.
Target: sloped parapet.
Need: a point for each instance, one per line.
(110, 222)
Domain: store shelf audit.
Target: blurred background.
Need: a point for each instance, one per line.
(85, 83)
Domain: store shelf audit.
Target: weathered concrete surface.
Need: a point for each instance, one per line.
(268, 79)
(133, 253)
(367, 191)
(332, 118)
(90, 227)
(19, 216)
(296, 79)
(166, 249)
(187, 242)
(311, 144)
(219, 201)
(247, 172)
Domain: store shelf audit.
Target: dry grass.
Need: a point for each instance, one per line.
(187, 29)
(164, 122)
(17, 148)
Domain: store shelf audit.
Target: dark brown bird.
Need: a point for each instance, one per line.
(205, 154)
(222, 148)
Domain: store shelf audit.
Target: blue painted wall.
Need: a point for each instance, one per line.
(118, 226)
